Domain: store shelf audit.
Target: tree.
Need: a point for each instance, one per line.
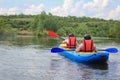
(114, 31)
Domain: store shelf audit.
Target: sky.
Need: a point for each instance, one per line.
(106, 9)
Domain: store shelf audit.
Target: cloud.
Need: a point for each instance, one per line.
(34, 9)
(107, 9)
(78, 8)
(114, 14)
(82, 8)
(96, 5)
(15, 10)
(9, 11)
(95, 8)
(63, 10)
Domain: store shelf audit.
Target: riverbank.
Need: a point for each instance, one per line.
(25, 32)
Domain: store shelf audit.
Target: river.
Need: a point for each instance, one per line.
(29, 58)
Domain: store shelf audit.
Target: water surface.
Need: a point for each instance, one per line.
(29, 58)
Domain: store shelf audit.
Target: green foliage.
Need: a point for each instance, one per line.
(114, 30)
(43, 22)
(61, 32)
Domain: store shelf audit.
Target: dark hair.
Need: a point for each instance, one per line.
(87, 37)
(71, 34)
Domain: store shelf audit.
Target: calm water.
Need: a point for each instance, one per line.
(29, 58)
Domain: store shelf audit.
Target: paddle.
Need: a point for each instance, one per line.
(53, 34)
(56, 50)
(110, 50)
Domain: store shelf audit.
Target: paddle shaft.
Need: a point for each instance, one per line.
(61, 38)
(101, 50)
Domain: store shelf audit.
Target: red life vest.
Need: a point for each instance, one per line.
(87, 46)
(71, 42)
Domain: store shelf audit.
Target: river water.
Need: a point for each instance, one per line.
(29, 58)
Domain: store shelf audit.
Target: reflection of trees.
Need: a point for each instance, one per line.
(41, 41)
(31, 40)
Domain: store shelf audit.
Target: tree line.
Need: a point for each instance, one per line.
(41, 23)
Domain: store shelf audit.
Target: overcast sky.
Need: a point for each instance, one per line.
(107, 9)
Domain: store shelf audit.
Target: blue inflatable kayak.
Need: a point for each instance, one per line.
(86, 57)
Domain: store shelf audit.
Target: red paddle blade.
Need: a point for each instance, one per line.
(53, 34)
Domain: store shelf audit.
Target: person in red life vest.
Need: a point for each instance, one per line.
(71, 41)
(87, 45)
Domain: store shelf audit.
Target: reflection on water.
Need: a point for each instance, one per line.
(69, 70)
(29, 40)
(51, 42)
(101, 66)
(29, 58)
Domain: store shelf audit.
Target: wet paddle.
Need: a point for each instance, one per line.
(56, 50)
(110, 50)
(53, 34)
